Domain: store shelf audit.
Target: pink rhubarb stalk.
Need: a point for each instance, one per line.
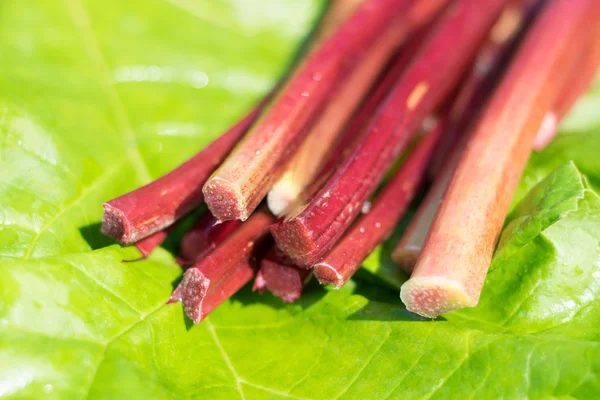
(280, 277)
(450, 271)
(490, 61)
(409, 247)
(243, 180)
(157, 205)
(488, 66)
(376, 226)
(223, 272)
(308, 233)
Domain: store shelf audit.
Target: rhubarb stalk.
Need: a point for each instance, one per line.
(488, 66)
(157, 205)
(580, 80)
(243, 180)
(409, 247)
(223, 272)
(325, 135)
(308, 233)
(376, 226)
(288, 192)
(147, 245)
(203, 237)
(280, 277)
(490, 61)
(450, 270)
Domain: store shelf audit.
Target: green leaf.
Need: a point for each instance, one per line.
(550, 200)
(98, 97)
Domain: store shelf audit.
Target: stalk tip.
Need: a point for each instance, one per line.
(260, 285)
(224, 200)
(434, 295)
(115, 224)
(326, 274)
(282, 195)
(193, 291)
(406, 257)
(295, 241)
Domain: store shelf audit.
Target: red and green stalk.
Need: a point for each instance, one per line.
(330, 135)
(244, 179)
(374, 227)
(409, 247)
(308, 233)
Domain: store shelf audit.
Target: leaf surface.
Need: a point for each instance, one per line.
(99, 97)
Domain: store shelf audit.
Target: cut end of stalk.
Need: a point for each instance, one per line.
(225, 200)
(434, 295)
(281, 196)
(284, 281)
(326, 274)
(406, 257)
(115, 224)
(193, 291)
(260, 285)
(547, 131)
(293, 239)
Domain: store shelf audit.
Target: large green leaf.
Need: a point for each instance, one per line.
(100, 96)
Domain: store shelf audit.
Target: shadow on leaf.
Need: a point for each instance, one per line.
(384, 305)
(311, 295)
(94, 238)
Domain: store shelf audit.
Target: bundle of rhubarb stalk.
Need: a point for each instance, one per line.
(461, 91)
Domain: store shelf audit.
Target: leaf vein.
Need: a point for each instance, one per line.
(378, 348)
(88, 189)
(82, 22)
(213, 333)
(414, 364)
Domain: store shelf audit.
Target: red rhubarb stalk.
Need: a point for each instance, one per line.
(157, 205)
(308, 233)
(203, 237)
(409, 247)
(376, 226)
(201, 240)
(280, 277)
(223, 272)
(296, 186)
(326, 133)
(450, 270)
(487, 68)
(147, 245)
(243, 180)
(490, 61)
